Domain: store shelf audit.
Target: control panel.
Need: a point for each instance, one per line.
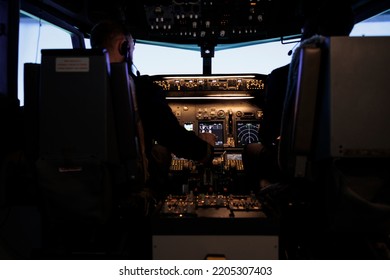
(209, 203)
(227, 21)
(208, 86)
(235, 123)
(225, 162)
(228, 106)
(192, 205)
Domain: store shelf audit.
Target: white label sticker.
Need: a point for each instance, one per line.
(72, 64)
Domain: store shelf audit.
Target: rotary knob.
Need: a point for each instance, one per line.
(221, 114)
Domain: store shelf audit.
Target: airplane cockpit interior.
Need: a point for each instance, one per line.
(75, 169)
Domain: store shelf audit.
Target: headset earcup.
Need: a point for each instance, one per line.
(124, 48)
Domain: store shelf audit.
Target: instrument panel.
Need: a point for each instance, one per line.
(228, 106)
(235, 123)
(201, 85)
(192, 205)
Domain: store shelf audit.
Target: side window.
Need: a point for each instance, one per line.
(378, 25)
(35, 35)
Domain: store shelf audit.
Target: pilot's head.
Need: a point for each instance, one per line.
(114, 37)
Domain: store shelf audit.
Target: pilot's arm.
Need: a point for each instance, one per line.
(162, 125)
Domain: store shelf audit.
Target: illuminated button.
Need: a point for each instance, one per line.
(259, 114)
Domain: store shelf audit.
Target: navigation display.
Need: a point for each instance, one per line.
(247, 132)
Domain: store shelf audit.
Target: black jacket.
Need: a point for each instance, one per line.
(273, 106)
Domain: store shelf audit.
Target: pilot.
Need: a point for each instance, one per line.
(160, 124)
(261, 160)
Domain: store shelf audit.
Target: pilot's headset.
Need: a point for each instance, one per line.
(125, 51)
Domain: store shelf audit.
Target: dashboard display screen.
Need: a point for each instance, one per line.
(233, 156)
(189, 126)
(247, 132)
(213, 127)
